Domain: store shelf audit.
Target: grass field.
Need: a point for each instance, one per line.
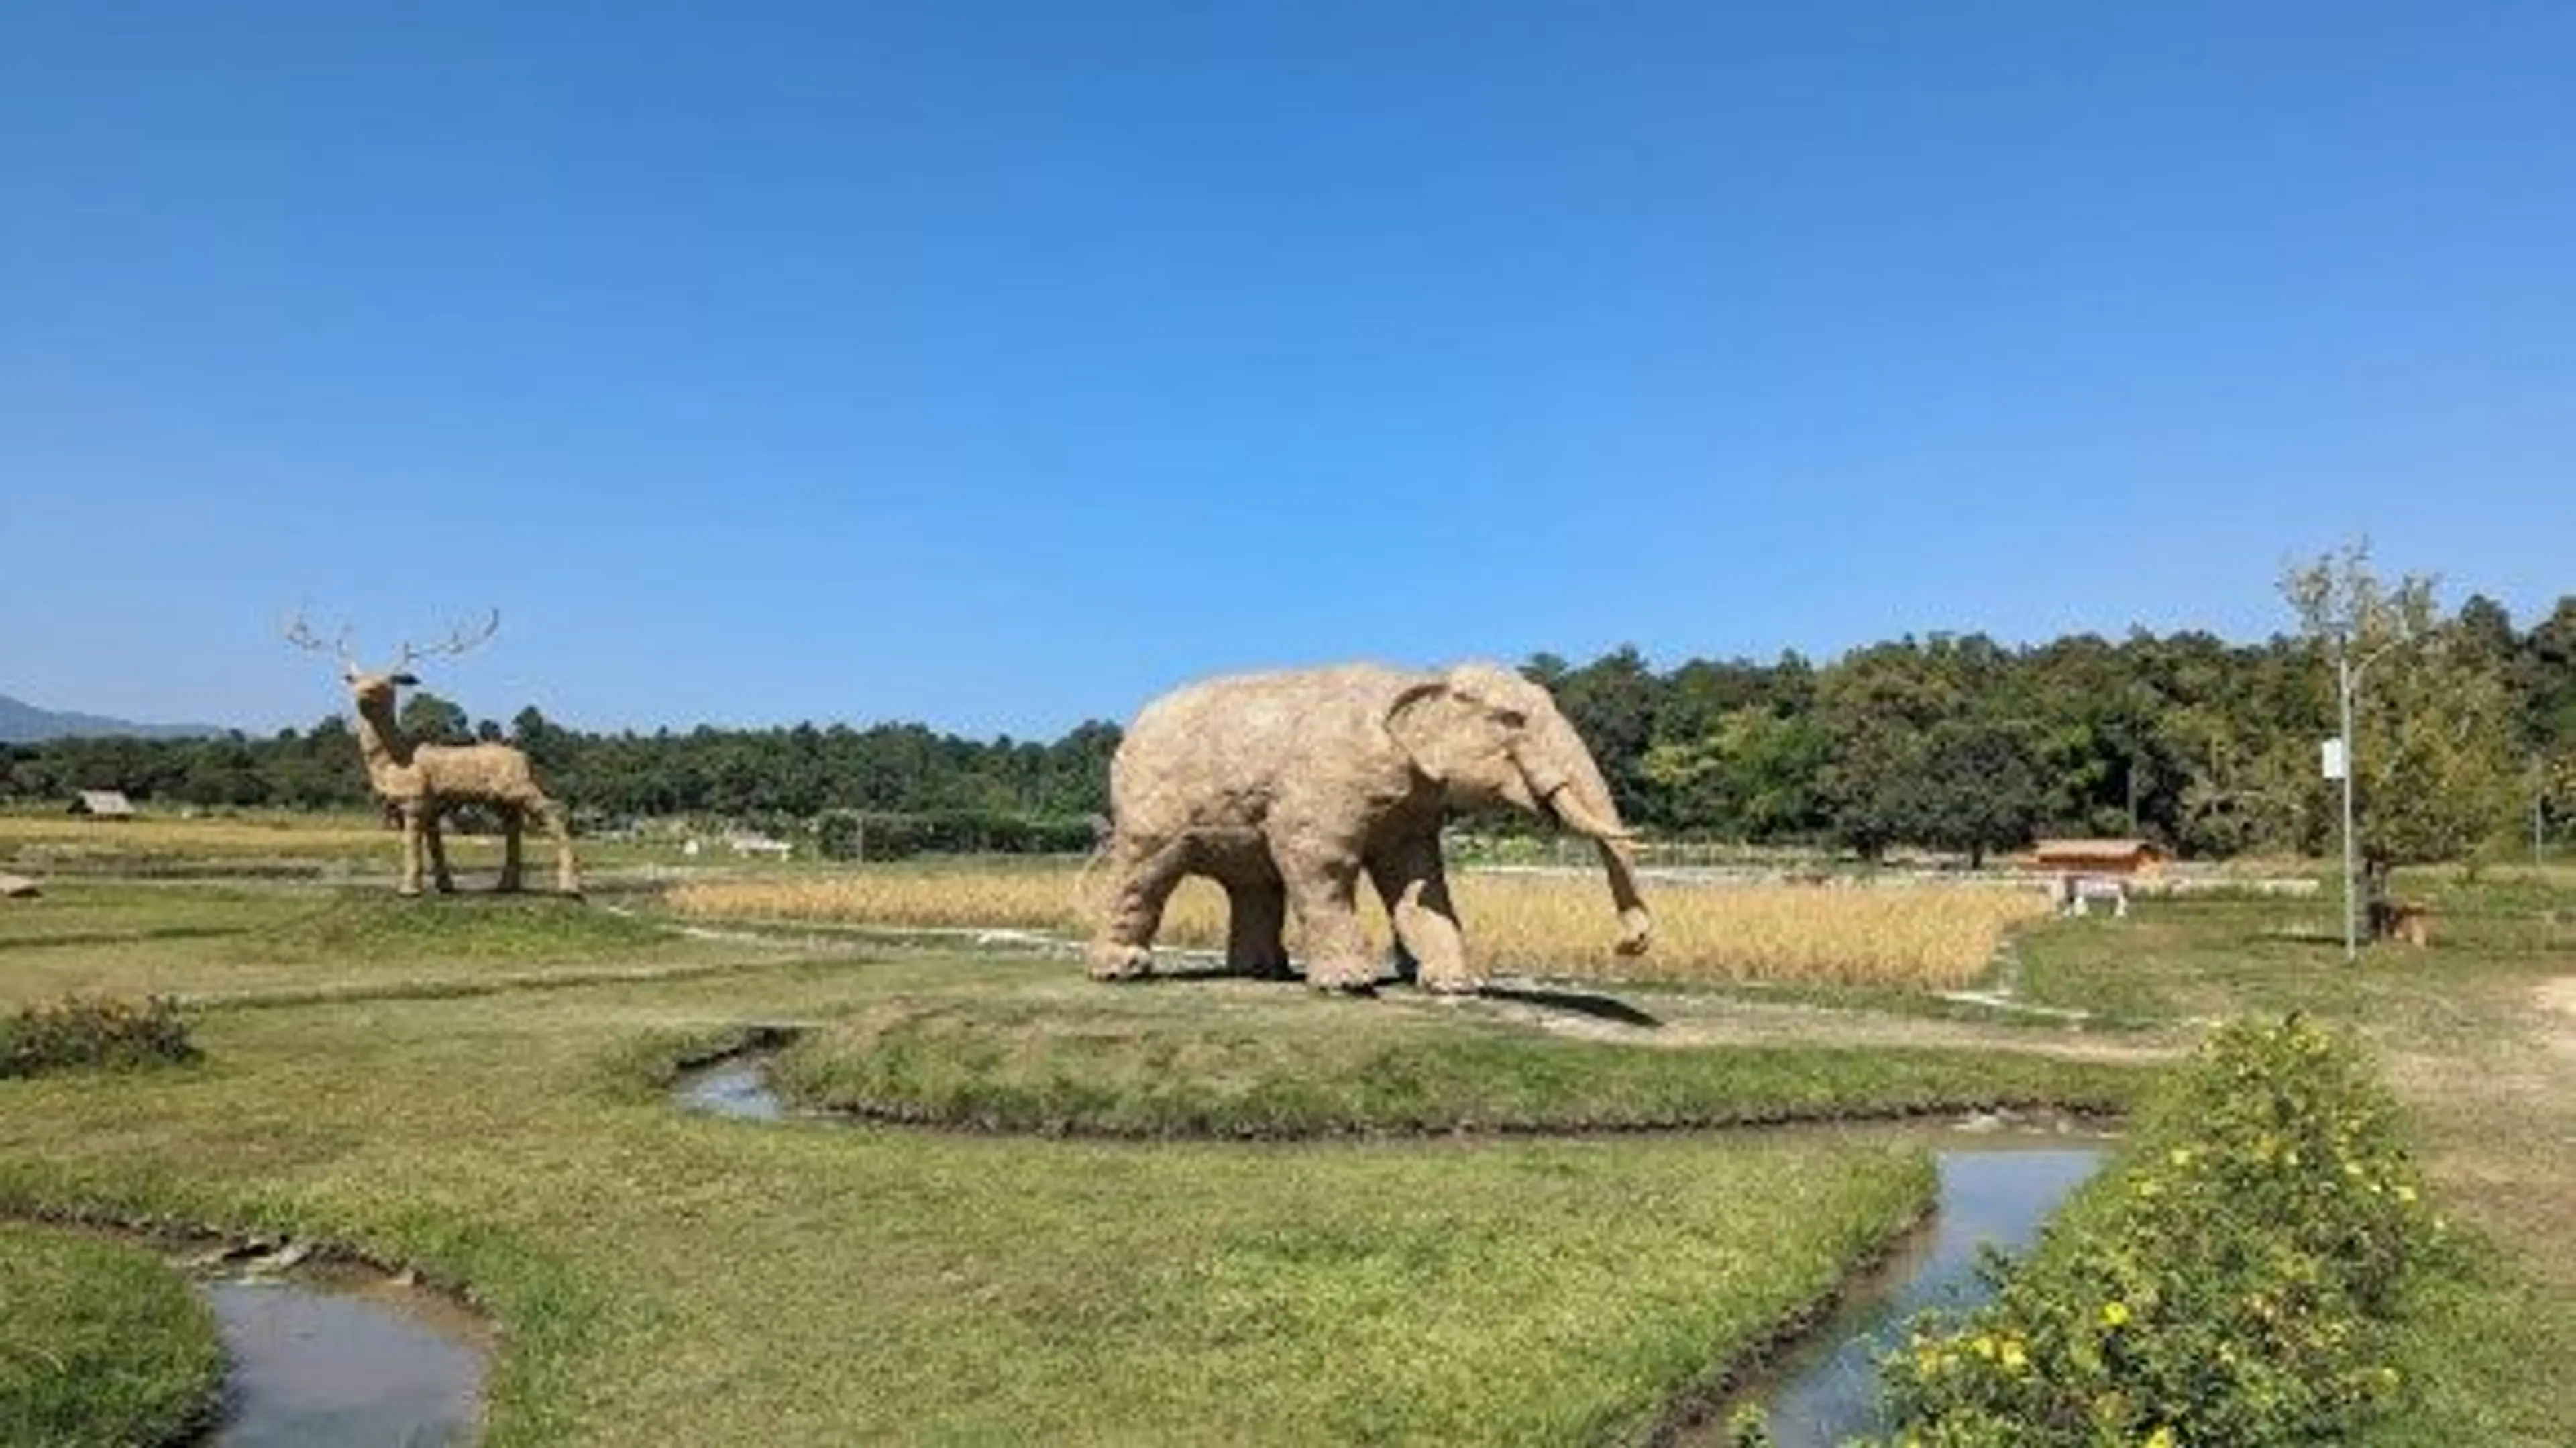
(659, 1277)
(474, 1087)
(471, 1086)
(101, 1346)
(1558, 926)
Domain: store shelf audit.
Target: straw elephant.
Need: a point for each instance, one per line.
(1286, 788)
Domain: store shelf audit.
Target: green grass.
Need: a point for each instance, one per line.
(660, 1277)
(407, 1092)
(100, 1343)
(1226, 1058)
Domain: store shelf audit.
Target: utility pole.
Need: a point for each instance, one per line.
(2343, 735)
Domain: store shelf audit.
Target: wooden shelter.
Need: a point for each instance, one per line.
(104, 804)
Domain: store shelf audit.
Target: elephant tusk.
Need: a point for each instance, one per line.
(1574, 816)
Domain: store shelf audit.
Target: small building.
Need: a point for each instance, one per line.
(2120, 858)
(752, 844)
(104, 804)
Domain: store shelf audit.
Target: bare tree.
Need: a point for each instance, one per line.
(422, 781)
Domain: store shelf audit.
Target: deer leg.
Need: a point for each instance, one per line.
(430, 834)
(411, 829)
(567, 872)
(510, 822)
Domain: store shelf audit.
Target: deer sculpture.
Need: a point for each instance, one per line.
(421, 781)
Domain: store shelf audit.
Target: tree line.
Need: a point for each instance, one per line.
(2465, 732)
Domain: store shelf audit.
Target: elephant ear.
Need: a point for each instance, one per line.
(1501, 693)
(1448, 723)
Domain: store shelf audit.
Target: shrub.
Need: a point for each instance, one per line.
(2236, 1282)
(93, 1031)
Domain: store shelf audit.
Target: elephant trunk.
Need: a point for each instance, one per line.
(1636, 927)
(1580, 797)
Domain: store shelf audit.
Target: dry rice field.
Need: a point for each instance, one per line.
(1549, 925)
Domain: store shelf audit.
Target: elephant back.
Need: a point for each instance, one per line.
(1225, 746)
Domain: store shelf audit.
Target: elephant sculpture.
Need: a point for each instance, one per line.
(1285, 788)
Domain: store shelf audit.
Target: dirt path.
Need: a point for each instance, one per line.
(2556, 1001)
(2503, 1142)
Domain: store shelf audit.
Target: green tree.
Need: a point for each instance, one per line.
(1612, 702)
(1752, 776)
(1974, 790)
(426, 718)
(2434, 770)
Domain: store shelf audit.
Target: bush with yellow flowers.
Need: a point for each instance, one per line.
(2234, 1282)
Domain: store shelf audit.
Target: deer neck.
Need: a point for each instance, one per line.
(381, 743)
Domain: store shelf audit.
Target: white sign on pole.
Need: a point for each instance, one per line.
(2331, 753)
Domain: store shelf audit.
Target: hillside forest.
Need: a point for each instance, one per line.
(2465, 725)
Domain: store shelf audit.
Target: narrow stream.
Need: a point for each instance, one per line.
(332, 1360)
(736, 1086)
(1995, 1190)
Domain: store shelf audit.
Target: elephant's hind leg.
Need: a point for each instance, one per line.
(1141, 880)
(1337, 950)
(1256, 926)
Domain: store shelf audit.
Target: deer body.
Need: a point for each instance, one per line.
(422, 781)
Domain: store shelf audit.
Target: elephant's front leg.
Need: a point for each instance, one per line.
(1414, 882)
(1325, 893)
(1256, 924)
(1141, 879)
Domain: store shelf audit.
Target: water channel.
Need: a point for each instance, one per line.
(344, 1360)
(1997, 1190)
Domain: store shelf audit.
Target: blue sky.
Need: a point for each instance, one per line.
(1001, 364)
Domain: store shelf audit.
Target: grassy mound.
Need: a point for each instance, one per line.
(1255, 1063)
(462, 927)
(100, 1344)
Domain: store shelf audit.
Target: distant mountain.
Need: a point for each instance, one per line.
(24, 723)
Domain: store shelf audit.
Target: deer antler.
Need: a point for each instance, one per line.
(301, 634)
(465, 637)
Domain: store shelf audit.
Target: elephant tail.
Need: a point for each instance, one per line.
(1084, 901)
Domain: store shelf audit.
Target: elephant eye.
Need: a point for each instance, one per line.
(1510, 718)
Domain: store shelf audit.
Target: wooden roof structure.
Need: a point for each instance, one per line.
(2099, 857)
(105, 804)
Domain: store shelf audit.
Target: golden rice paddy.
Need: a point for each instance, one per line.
(1932, 937)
